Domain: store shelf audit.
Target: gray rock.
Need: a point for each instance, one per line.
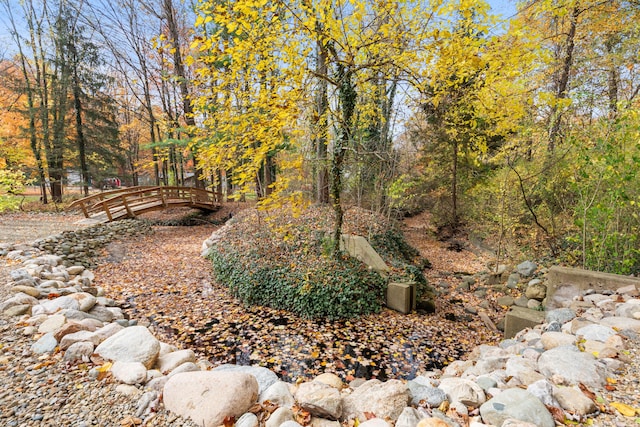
(279, 417)
(185, 367)
(543, 390)
(527, 268)
(279, 394)
(556, 339)
(116, 312)
(622, 323)
(521, 301)
(321, 400)
(79, 351)
(463, 391)
(512, 422)
(628, 309)
(107, 330)
(264, 376)
(513, 280)
(170, 361)
(79, 336)
(560, 315)
(524, 370)
(572, 367)
(17, 310)
(537, 291)
(375, 422)
(516, 403)
(506, 301)
(208, 397)
(29, 290)
(553, 327)
(486, 382)
(46, 344)
(488, 364)
(86, 301)
(18, 299)
(595, 332)
(53, 284)
(146, 402)
(385, 400)
(20, 274)
(128, 390)
(74, 270)
(156, 384)
(247, 420)
(129, 372)
(571, 399)
(330, 379)
(410, 417)
(57, 304)
(425, 394)
(133, 344)
(101, 313)
(534, 304)
(52, 324)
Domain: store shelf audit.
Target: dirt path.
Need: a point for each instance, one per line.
(27, 227)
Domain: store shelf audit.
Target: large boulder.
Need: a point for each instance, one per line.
(168, 362)
(321, 400)
(463, 391)
(264, 376)
(384, 400)
(208, 397)
(572, 367)
(516, 403)
(132, 344)
(527, 268)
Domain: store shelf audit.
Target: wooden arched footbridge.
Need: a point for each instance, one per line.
(132, 201)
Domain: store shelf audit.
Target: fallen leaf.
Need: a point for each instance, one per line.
(369, 415)
(229, 421)
(557, 413)
(591, 395)
(624, 409)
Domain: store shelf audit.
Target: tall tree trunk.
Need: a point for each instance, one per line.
(563, 81)
(348, 98)
(84, 170)
(178, 63)
(29, 90)
(612, 79)
(219, 189)
(269, 175)
(454, 185)
(321, 124)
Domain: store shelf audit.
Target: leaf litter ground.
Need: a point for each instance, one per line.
(162, 279)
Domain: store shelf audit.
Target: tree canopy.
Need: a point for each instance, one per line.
(522, 129)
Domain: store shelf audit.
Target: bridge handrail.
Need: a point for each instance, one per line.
(136, 196)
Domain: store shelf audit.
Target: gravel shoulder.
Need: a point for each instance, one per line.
(27, 227)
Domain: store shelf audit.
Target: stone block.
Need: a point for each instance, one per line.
(519, 318)
(401, 297)
(358, 247)
(564, 283)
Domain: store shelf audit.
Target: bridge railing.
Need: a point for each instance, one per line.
(137, 199)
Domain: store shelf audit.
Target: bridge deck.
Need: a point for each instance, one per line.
(130, 202)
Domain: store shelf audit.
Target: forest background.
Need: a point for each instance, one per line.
(521, 130)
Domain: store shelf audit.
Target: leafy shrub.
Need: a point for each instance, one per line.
(285, 264)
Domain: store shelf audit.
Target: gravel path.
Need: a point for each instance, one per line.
(44, 390)
(27, 227)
